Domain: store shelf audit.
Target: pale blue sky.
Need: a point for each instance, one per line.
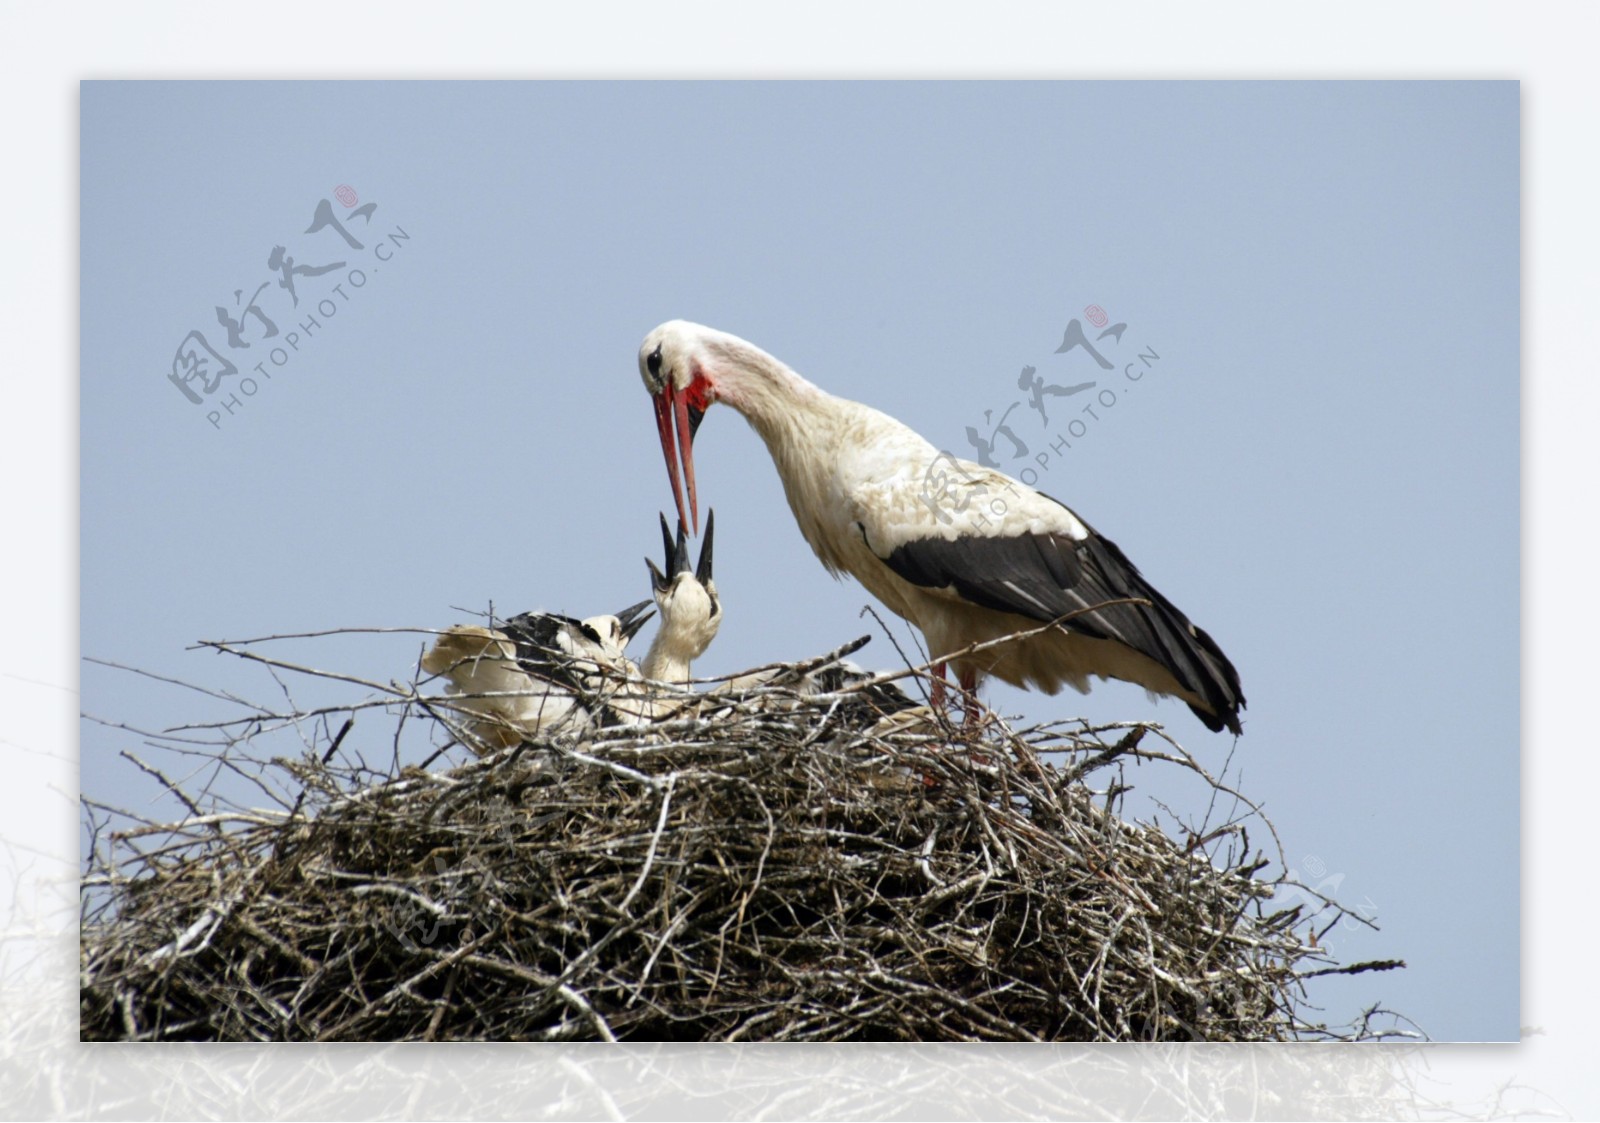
(1322, 470)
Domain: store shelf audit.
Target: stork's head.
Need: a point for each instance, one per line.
(675, 363)
(614, 632)
(599, 642)
(691, 613)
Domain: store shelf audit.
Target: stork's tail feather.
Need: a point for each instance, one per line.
(1177, 643)
(465, 644)
(1222, 687)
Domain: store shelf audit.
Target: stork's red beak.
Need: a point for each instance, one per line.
(673, 415)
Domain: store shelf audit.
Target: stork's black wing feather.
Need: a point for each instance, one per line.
(880, 700)
(535, 633)
(1044, 577)
(545, 659)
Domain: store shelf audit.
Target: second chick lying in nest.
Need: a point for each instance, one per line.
(782, 689)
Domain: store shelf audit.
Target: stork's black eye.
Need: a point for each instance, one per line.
(654, 362)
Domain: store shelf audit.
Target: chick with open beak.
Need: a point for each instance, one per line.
(690, 610)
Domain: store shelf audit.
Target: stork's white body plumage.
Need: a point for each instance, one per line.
(965, 553)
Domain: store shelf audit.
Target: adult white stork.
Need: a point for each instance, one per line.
(967, 554)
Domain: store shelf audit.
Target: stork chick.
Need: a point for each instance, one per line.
(691, 612)
(782, 686)
(540, 672)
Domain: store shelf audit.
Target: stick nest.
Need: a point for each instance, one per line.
(766, 866)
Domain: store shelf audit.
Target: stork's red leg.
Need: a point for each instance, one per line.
(968, 677)
(936, 695)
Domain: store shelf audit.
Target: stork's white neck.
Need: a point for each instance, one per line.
(801, 424)
(666, 661)
(779, 403)
(690, 617)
